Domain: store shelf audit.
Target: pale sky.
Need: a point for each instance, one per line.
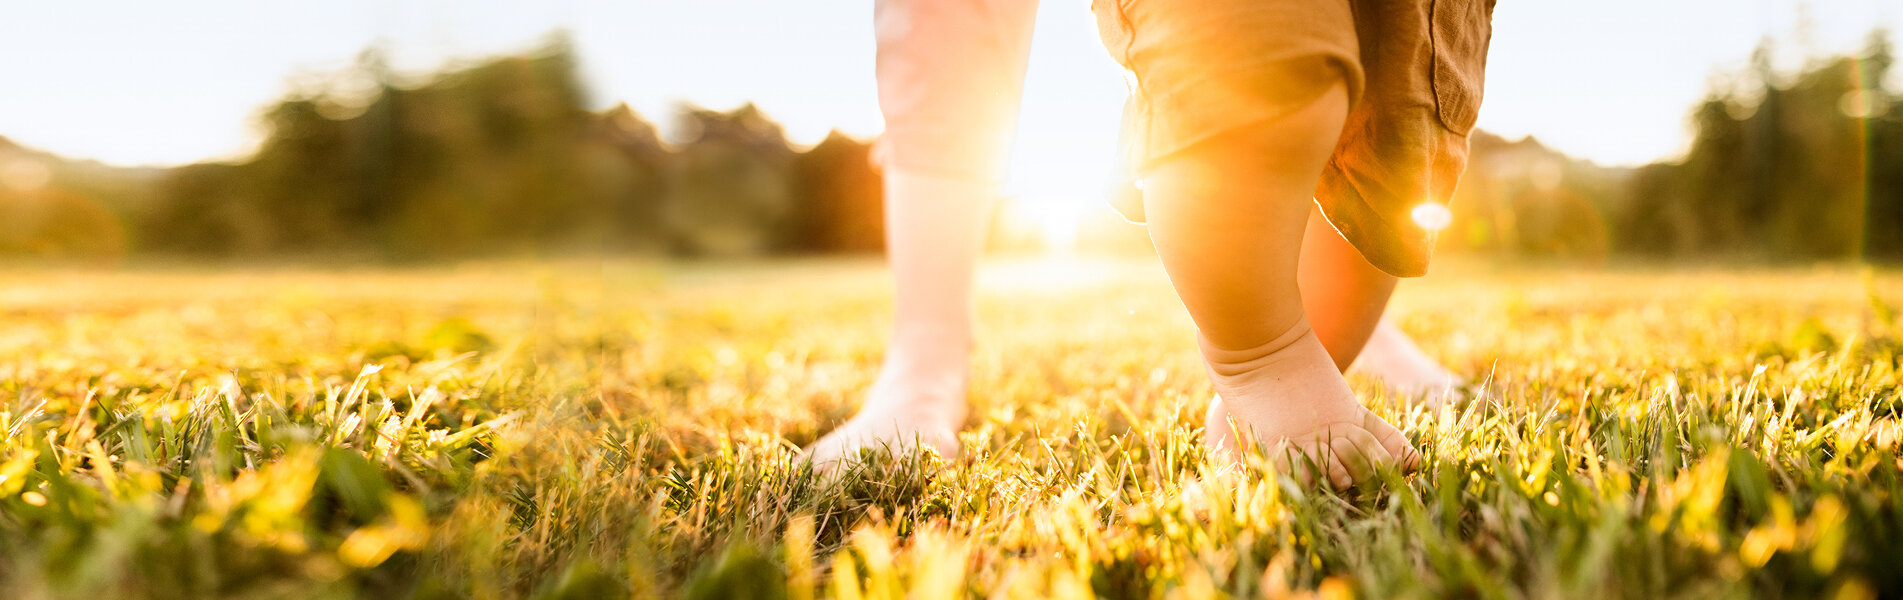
(141, 82)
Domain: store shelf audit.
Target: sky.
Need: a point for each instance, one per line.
(134, 82)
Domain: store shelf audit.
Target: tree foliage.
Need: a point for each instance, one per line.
(1800, 169)
(504, 157)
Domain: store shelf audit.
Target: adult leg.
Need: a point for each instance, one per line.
(1393, 357)
(950, 76)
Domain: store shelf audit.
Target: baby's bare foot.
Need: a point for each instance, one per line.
(1399, 363)
(1288, 397)
(918, 400)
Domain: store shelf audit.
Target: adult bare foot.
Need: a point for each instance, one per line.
(1403, 367)
(934, 235)
(1288, 397)
(918, 400)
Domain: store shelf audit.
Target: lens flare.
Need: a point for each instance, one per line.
(1432, 216)
(1863, 104)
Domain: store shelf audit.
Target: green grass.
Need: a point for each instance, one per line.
(584, 431)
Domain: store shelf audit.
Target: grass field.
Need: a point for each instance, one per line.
(589, 431)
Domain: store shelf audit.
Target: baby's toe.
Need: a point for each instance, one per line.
(1392, 440)
(1355, 453)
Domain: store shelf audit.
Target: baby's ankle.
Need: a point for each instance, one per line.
(1283, 386)
(1230, 362)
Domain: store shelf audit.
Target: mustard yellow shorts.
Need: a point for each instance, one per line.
(1414, 68)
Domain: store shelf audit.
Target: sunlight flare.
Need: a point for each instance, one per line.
(1053, 220)
(1432, 216)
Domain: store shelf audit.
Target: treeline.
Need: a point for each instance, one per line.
(1783, 167)
(1805, 168)
(503, 158)
(498, 158)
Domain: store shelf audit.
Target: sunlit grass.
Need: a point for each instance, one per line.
(584, 431)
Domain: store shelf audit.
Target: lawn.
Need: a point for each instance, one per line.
(582, 430)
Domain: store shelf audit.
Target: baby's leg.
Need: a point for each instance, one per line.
(1227, 217)
(1345, 296)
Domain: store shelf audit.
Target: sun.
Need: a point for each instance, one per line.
(1053, 219)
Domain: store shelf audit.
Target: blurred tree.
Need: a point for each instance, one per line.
(502, 156)
(840, 196)
(1882, 111)
(53, 223)
(633, 167)
(51, 207)
(1521, 198)
(201, 211)
(1804, 170)
(732, 193)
